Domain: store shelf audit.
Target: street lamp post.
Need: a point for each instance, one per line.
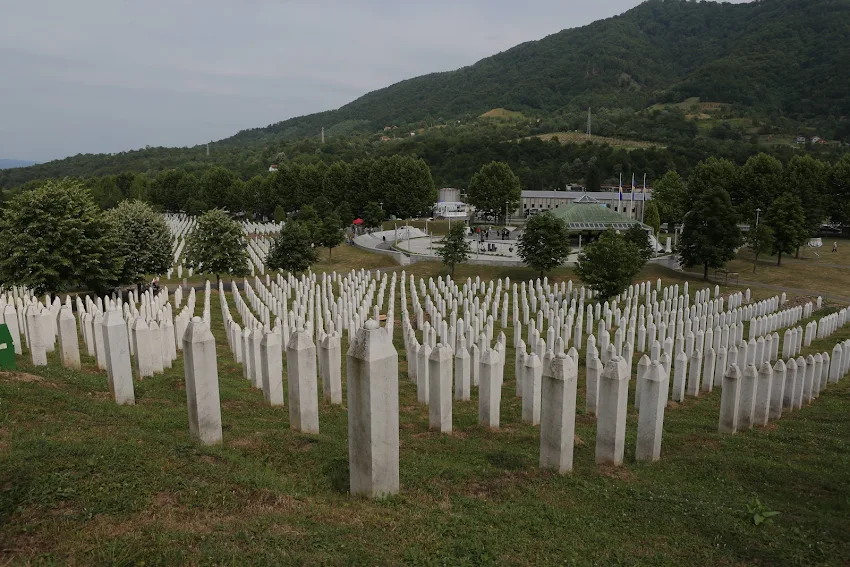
(506, 213)
(758, 212)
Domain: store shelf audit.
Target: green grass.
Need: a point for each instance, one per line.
(581, 138)
(85, 482)
(503, 114)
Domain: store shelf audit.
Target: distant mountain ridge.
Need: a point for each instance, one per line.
(784, 56)
(10, 163)
(784, 59)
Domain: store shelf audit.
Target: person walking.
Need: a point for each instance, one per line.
(835, 246)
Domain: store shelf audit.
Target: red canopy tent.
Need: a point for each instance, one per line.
(357, 221)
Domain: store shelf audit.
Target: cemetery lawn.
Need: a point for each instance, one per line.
(86, 482)
(827, 274)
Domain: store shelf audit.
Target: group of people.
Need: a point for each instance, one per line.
(487, 233)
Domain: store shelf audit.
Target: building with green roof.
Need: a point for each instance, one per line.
(587, 217)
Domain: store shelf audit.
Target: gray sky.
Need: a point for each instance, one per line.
(89, 76)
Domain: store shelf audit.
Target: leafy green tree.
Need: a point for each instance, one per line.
(456, 248)
(808, 178)
(173, 189)
(494, 186)
(652, 218)
(670, 197)
(709, 174)
(308, 215)
(788, 221)
(839, 191)
(710, 235)
(188, 197)
(144, 239)
(760, 180)
(329, 233)
(638, 236)
(343, 211)
(55, 238)
(544, 243)
(609, 264)
(404, 184)
(373, 215)
(593, 179)
(217, 245)
(217, 186)
(292, 249)
(258, 200)
(279, 214)
(337, 178)
(760, 241)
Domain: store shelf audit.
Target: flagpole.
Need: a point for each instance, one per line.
(620, 191)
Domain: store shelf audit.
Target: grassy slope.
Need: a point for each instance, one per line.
(819, 270)
(86, 482)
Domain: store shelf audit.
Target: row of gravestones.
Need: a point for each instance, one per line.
(557, 378)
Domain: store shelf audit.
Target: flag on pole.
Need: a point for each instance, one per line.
(621, 187)
(644, 187)
(632, 197)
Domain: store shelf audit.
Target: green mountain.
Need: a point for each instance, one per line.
(10, 163)
(778, 60)
(779, 56)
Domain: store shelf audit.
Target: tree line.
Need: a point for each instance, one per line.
(822, 188)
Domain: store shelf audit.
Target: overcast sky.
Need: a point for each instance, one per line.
(88, 76)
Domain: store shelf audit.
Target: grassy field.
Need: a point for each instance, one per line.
(581, 138)
(503, 114)
(85, 482)
(826, 273)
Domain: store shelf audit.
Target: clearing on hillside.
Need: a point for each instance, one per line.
(693, 106)
(503, 114)
(581, 138)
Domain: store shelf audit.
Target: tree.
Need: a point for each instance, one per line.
(217, 187)
(788, 221)
(292, 249)
(456, 247)
(544, 243)
(760, 241)
(808, 178)
(609, 264)
(708, 174)
(373, 215)
(759, 181)
(710, 234)
(638, 236)
(279, 214)
(328, 233)
(592, 179)
(839, 191)
(217, 245)
(144, 239)
(652, 218)
(493, 188)
(404, 184)
(670, 197)
(55, 238)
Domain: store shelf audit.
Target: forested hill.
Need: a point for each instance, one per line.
(781, 62)
(782, 56)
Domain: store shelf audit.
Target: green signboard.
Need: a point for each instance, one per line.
(7, 349)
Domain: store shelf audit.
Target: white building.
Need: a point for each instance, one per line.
(450, 206)
(629, 204)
